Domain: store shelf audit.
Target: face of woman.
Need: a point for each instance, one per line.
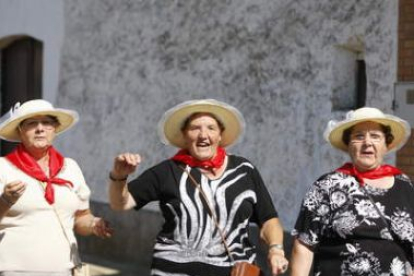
(367, 146)
(38, 133)
(202, 136)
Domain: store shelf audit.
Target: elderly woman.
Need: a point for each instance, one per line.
(207, 197)
(358, 219)
(43, 195)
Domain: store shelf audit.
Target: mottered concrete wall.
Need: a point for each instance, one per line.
(123, 63)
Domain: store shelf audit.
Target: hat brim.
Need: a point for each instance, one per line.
(67, 118)
(400, 129)
(170, 125)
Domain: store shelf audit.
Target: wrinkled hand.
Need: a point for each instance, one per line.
(101, 228)
(125, 164)
(13, 191)
(277, 261)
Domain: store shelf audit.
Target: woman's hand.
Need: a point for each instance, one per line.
(125, 164)
(13, 191)
(119, 196)
(277, 261)
(271, 233)
(101, 228)
(87, 224)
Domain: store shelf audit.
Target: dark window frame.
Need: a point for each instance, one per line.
(21, 75)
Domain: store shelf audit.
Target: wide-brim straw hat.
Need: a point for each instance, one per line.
(11, 120)
(170, 125)
(400, 128)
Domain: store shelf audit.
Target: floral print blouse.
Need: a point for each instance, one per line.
(340, 224)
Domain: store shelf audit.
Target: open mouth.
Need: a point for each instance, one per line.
(203, 145)
(367, 153)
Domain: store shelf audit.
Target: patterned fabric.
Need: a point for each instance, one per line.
(189, 243)
(347, 234)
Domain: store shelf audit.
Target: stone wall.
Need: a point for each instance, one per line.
(132, 242)
(125, 62)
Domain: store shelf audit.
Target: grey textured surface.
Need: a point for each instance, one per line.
(125, 62)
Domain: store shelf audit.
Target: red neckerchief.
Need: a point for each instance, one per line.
(21, 158)
(381, 171)
(213, 163)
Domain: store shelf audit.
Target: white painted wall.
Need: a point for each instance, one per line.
(43, 20)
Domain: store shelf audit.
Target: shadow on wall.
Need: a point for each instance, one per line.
(130, 249)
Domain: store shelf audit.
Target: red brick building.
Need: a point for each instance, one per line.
(405, 74)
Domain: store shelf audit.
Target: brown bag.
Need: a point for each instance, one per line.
(245, 269)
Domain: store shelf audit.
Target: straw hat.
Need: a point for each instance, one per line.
(11, 120)
(169, 127)
(400, 129)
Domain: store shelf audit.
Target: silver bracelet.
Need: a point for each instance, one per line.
(276, 245)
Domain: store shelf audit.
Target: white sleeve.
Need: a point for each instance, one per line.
(74, 174)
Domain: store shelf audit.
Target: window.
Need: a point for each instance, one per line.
(349, 78)
(361, 84)
(21, 74)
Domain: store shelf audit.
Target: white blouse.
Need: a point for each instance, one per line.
(31, 237)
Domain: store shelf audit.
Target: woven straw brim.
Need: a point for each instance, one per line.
(400, 129)
(170, 125)
(66, 118)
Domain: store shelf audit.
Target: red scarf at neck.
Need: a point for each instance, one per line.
(214, 163)
(22, 159)
(381, 171)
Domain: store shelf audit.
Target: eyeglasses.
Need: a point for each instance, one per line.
(362, 136)
(33, 123)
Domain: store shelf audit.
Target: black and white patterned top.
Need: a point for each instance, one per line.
(189, 243)
(339, 222)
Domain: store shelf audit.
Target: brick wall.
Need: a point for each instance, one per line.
(405, 156)
(406, 41)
